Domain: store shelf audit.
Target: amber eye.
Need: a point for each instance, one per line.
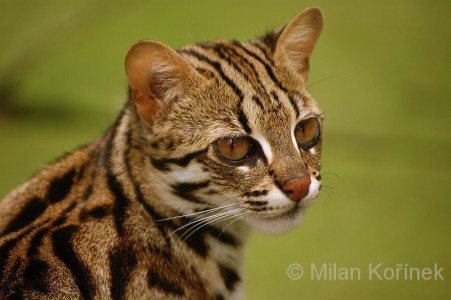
(307, 133)
(233, 149)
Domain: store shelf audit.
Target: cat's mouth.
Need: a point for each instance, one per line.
(282, 212)
(277, 219)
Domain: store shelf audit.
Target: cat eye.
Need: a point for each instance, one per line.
(234, 149)
(307, 133)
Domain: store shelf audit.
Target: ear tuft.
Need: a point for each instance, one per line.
(157, 75)
(298, 38)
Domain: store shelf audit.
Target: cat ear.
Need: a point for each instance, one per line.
(298, 38)
(157, 75)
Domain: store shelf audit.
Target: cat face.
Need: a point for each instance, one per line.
(233, 127)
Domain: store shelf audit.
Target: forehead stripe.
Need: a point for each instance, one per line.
(239, 61)
(244, 121)
(295, 106)
(266, 65)
(217, 66)
(258, 101)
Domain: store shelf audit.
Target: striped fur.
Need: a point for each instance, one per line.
(149, 210)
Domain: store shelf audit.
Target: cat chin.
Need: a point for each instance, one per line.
(277, 224)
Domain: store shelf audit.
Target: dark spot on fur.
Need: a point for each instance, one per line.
(230, 277)
(122, 263)
(30, 212)
(186, 190)
(258, 101)
(121, 203)
(88, 192)
(170, 145)
(255, 193)
(64, 250)
(35, 275)
(59, 188)
(95, 213)
(162, 164)
(257, 203)
(219, 297)
(156, 280)
(279, 184)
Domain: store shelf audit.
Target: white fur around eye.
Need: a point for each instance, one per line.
(265, 146)
(193, 172)
(244, 169)
(293, 138)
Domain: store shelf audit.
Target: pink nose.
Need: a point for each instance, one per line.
(297, 188)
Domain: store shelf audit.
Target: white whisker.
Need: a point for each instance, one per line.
(238, 216)
(213, 219)
(195, 222)
(197, 213)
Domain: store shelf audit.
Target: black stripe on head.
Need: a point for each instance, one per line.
(155, 280)
(244, 121)
(122, 263)
(274, 95)
(217, 67)
(220, 51)
(230, 277)
(268, 68)
(32, 210)
(64, 250)
(234, 54)
(295, 106)
(162, 164)
(60, 187)
(258, 102)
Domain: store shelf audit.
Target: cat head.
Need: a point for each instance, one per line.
(232, 125)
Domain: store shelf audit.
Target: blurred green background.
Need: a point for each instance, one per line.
(381, 73)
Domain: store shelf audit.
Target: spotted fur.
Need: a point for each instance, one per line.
(150, 210)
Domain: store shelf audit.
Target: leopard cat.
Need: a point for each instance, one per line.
(216, 138)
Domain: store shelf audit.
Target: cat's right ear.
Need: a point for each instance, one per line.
(157, 76)
(297, 39)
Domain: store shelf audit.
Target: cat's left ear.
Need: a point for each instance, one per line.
(157, 76)
(298, 38)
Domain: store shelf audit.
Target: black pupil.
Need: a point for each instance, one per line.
(301, 126)
(232, 144)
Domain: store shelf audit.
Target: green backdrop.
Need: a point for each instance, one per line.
(380, 72)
